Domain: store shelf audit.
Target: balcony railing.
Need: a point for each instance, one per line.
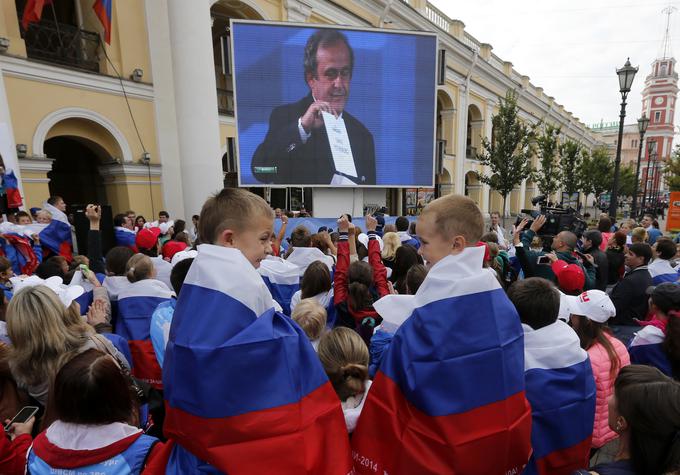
(225, 101)
(63, 44)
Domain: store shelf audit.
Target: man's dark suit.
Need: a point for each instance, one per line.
(310, 162)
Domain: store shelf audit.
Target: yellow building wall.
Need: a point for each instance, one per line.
(30, 102)
(123, 196)
(34, 193)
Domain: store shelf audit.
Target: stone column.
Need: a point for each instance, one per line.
(459, 178)
(198, 131)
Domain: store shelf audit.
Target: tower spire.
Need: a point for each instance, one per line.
(666, 44)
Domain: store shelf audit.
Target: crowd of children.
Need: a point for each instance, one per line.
(442, 346)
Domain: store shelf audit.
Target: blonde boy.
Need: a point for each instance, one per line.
(311, 316)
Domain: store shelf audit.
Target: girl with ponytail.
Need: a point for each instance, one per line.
(358, 285)
(344, 357)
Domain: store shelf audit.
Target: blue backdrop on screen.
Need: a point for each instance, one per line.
(391, 92)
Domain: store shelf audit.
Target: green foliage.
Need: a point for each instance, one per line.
(672, 170)
(596, 172)
(626, 180)
(571, 158)
(508, 155)
(548, 175)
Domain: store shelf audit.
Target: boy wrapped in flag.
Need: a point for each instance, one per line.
(448, 397)
(244, 389)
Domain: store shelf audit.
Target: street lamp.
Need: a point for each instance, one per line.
(651, 151)
(643, 122)
(626, 76)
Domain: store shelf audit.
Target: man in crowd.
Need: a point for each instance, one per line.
(404, 236)
(629, 295)
(296, 148)
(652, 232)
(498, 229)
(592, 239)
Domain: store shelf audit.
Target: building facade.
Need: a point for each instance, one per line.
(147, 121)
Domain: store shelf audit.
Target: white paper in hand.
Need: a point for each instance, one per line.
(339, 142)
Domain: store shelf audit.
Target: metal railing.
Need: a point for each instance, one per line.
(437, 17)
(225, 101)
(63, 44)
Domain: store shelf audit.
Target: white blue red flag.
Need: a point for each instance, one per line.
(561, 391)
(56, 237)
(136, 304)
(125, 237)
(102, 9)
(662, 271)
(11, 185)
(647, 348)
(244, 389)
(282, 279)
(303, 256)
(448, 396)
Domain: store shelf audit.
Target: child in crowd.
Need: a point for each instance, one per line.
(353, 296)
(226, 334)
(43, 217)
(316, 283)
(406, 256)
(414, 278)
(344, 357)
(148, 243)
(391, 244)
(645, 411)
(311, 316)
(456, 360)
(136, 304)
(116, 280)
(658, 343)
(6, 273)
(639, 235)
(161, 319)
(559, 381)
(589, 313)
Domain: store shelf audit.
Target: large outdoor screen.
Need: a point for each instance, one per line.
(333, 106)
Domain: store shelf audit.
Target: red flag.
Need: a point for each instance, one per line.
(33, 12)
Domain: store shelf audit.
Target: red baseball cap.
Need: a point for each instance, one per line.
(570, 277)
(147, 238)
(487, 251)
(170, 248)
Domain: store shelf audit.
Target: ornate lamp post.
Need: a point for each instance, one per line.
(651, 151)
(626, 75)
(643, 122)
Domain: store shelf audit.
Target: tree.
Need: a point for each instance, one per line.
(596, 172)
(626, 180)
(548, 176)
(571, 158)
(508, 152)
(672, 170)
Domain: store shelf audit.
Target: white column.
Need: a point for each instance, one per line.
(164, 107)
(8, 147)
(198, 130)
(459, 179)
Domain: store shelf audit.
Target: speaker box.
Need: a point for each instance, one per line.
(82, 225)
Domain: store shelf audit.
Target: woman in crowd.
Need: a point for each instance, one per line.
(405, 258)
(639, 235)
(589, 314)
(140, 221)
(616, 255)
(605, 227)
(344, 357)
(95, 422)
(316, 283)
(392, 243)
(44, 336)
(645, 412)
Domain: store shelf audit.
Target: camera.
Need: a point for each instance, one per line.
(557, 219)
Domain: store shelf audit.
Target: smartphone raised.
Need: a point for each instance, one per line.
(22, 416)
(543, 260)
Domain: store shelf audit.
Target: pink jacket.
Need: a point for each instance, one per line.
(604, 384)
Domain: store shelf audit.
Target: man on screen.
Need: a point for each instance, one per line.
(297, 149)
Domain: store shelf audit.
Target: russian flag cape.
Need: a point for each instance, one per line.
(647, 348)
(662, 271)
(11, 184)
(19, 248)
(56, 236)
(449, 394)
(125, 237)
(303, 256)
(136, 304)
(561, 391)
(282, 279)
(244, 388)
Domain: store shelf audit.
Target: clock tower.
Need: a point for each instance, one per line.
(658, 103)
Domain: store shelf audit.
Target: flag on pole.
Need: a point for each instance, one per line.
(11, 184)
(136, 304)
(244, 389)
(102, 9)
(33, 12)
(561, 391)
(449, 394)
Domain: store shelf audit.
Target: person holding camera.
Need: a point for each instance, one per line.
(563, 246)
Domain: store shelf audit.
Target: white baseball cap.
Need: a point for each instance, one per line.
(595, 305)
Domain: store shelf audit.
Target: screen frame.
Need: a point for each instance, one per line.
(234, 21)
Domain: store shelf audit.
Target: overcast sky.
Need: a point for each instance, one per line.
(572, 48)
